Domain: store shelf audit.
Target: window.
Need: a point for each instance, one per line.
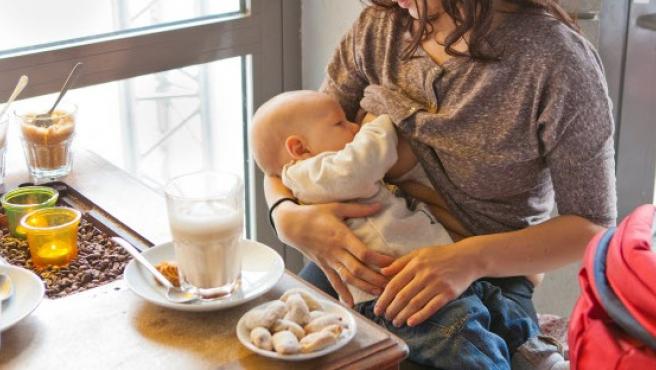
(170, 83)
(60, 22)
(160, 125)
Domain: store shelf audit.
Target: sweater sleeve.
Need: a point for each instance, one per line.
(575, 127)
(344, 80)
(351, 173)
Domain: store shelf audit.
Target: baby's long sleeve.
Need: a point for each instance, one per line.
(351, 173)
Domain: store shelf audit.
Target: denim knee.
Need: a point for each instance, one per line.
(315, 276)
(509, 319)
(453, 338)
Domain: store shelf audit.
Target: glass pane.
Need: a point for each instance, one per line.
(38, 22)
(165, 124)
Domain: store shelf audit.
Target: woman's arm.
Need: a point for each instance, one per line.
(426, 279)
(319, 232)
(544, 247)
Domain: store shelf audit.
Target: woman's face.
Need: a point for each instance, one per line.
(434, 7)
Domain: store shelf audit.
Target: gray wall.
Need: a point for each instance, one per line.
(323, 23)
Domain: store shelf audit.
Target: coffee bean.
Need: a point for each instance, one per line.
(99, 261)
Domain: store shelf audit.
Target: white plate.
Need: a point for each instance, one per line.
(262, 267)
(28, 293)
(347, 334)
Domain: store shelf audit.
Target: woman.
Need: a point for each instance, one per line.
(505, 105)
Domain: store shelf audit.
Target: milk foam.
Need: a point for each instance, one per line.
(206, 237)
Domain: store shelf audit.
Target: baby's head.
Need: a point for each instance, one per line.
(298, 125)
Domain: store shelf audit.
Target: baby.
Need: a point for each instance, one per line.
(305, 138)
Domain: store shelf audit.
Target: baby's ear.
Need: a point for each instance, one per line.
(296, 148)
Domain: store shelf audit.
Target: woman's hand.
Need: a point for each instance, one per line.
(320, 233)
(425, 280)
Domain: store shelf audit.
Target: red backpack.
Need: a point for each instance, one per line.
(613, 325)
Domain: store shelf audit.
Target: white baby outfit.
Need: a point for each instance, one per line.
(355, 174)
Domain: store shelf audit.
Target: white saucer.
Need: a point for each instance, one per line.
(28, 293)
(347, 334)
(262, 267)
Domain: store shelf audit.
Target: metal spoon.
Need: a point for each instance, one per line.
(45, 119)
(20, 85)
(173, 293)
(6, 287)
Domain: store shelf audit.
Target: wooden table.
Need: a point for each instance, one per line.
(111, 328)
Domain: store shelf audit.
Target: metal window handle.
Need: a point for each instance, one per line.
(647, 21)
(586, 16)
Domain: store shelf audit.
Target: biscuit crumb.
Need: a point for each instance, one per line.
(170, 272)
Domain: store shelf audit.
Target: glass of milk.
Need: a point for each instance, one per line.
(206, 217)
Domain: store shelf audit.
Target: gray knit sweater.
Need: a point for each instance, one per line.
(510, 138)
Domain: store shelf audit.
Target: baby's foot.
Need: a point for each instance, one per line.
(540, 353)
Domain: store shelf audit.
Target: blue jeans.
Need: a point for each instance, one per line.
(479, 330)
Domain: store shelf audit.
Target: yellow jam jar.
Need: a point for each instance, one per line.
(52, 235)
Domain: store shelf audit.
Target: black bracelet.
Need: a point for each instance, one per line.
(273, 207)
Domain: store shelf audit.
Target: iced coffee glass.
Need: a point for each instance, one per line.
(47, 139)
(205, 211)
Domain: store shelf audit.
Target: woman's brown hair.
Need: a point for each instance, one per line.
(472, 18)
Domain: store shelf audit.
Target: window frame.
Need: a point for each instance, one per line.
(636, 151)
(266, 33)
(627, 62)
(131, 54)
